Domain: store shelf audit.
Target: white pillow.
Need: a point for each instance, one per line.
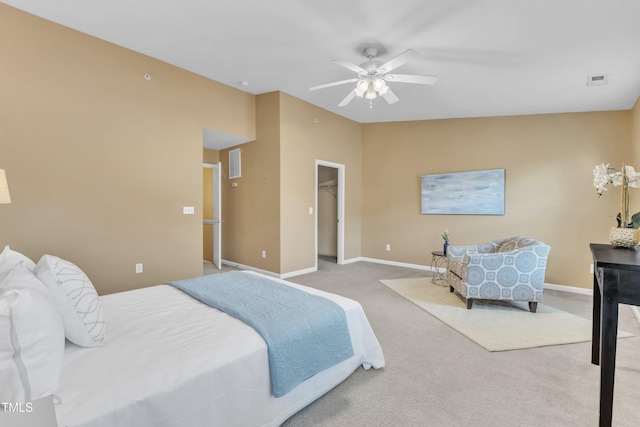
(9, 258)
(31, 338)
(76, 298)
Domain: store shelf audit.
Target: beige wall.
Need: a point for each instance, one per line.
(269, 208)
(634, 203)
(100, 160)
(309, 133)
(210, 156)
(635, 136)
(251, 210)
(549, 194)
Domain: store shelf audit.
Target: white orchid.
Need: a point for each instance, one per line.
(628, 177)
(601, 178)
(633, 177)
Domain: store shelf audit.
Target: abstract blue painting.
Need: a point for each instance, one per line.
(464, 193)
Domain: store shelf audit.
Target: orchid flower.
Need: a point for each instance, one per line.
(604, 175)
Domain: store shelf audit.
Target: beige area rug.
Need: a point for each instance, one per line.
(495, 325)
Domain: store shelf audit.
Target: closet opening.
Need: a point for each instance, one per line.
(329, 212)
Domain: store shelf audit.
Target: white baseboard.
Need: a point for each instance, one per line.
(248, 267)
(570, 289)
(394, 263)
(299, 272)
(270, 273)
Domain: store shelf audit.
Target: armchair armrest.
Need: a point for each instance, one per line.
(457, 267)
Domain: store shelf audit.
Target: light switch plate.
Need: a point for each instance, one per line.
(189, 210)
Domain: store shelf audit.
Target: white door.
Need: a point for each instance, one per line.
(217, 220)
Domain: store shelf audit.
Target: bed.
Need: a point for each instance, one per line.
(170, 360)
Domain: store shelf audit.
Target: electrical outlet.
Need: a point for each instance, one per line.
(139, 268)
(387, 247)
(264, 253)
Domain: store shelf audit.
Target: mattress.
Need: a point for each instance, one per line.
(170, 360)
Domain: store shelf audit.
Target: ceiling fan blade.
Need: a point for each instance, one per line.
(390, 97)
(350, 66)
(348, 98)
(341, 82)
(399, 60)
(410, 78)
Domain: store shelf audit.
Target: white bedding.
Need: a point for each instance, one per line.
(170, 360)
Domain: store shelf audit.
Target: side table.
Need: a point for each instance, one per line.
(439, 264)
(616, 280)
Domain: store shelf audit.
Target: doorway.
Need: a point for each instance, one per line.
(211, 212)
(330, 211)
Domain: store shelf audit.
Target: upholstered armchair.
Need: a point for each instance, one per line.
(506, 269)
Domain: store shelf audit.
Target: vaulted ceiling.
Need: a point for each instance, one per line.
(492, 57)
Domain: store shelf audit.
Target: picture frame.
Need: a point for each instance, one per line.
(464, 193)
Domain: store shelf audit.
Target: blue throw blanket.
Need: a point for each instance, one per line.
(305, 333)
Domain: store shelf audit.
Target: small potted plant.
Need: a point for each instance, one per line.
(445, 237)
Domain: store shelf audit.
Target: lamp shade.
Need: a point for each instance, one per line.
(361, 87)
(5, 197)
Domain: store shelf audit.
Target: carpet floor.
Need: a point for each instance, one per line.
(434, 376)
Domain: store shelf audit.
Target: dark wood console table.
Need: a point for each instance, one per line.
(616, 279)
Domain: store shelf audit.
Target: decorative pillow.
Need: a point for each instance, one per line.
(31, 338)
(9, 258)
(76, 299)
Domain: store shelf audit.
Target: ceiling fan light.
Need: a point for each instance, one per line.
(371, 93)
(384, 90)
(361, 87)
(379, 85)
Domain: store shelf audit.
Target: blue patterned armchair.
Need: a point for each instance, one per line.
(507, 269)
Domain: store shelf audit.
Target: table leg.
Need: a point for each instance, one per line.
(608, 343)
(595, 322)
(434, 269)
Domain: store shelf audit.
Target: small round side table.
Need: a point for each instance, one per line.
(439, 265)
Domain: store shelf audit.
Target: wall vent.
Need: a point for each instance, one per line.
(234, 164)
(598, 80)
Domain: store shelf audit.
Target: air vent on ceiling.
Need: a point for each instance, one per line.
(598, 80)
(234, 163)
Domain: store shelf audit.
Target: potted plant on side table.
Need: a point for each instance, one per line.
(626, 234)
(445, 237)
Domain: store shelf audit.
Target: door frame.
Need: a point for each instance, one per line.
(217, 212)
(341, 221)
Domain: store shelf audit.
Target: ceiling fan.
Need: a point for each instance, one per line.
(373, 76)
